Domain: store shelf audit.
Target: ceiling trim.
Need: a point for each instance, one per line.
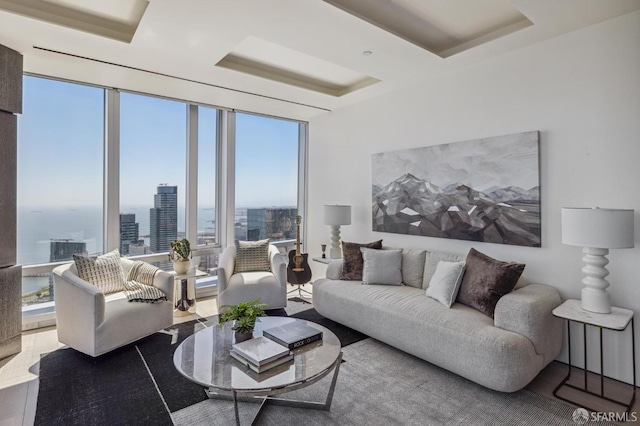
(189, 80)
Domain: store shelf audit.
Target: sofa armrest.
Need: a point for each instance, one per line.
(527, 311)
(226, 264)
(278, 265)
(334, 269)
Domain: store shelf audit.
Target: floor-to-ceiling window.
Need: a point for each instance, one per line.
(60, 178)
(266, 178)
(168, 182)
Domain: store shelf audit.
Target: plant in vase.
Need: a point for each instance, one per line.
(180, 254)
(244, 315)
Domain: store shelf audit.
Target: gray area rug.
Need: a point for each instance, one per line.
(380, 385)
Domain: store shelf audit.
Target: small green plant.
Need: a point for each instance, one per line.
(245, 314)
(180, 250)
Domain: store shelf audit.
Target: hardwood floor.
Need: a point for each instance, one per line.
(19, 376)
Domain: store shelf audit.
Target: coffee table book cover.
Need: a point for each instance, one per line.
(264, 367)
(260, 350)
(293, 335)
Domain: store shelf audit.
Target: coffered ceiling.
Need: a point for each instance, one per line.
(293, 58)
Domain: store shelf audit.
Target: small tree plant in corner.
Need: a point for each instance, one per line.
(245, 315)
(180, 254)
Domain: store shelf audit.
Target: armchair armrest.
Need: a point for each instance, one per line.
(226, 264)
(165, 282)
(527, 311)
(278, 265)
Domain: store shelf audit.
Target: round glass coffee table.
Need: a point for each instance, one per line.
(204, 358)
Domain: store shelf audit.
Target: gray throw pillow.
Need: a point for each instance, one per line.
(445, 283)
(252, 256)
(381, 266)
(431, 263)
(104, 272)
(486, 280)
(413, 267)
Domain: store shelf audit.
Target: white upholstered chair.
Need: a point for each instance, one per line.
(94, 323)
(269, 287)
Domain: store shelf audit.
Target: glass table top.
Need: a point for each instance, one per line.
(204, 358)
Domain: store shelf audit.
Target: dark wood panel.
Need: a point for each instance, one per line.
(10, 310)
(10, 80)
(8, 131)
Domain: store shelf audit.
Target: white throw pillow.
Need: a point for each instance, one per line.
(445, 282)
(381, 266)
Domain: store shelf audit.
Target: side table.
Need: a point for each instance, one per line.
(185, 294)
(618, 320)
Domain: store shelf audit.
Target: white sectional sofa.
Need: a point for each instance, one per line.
(503, 353)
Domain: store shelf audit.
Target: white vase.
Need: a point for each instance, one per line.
(181, 267)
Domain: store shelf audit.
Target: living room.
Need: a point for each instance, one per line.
(573, 77)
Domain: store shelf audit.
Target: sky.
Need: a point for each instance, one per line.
(60, 150)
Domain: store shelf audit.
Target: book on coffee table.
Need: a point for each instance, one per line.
(260, 350)
(293, 334)
(264, 367)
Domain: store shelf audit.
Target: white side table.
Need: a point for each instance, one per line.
(617, 320)
(325, 260)
(184, 295)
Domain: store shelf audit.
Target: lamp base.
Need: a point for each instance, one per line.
(335, 253)
(596, 301)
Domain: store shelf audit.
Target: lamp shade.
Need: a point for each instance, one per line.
(597, 228)
(336, 215)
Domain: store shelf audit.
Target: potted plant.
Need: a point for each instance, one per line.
(180, 254)
(244, 315)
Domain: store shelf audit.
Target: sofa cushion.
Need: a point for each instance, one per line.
(252, 256)
(445, 283)
(413, 267)
(104, 271)
(486, 280)
(352, 259)
(381, 266)
(431, 263)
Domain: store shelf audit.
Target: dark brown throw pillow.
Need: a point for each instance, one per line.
(352, 261)
(486, 280)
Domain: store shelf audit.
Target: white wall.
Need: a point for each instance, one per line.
(580, 90)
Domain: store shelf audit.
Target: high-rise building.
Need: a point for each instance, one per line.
(64, 250)
(274, 223)
(129, 232)
(164, 218)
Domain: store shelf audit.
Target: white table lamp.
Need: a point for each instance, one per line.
(334, 216)
(597, 230)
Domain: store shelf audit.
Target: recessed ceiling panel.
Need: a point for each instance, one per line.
(116, 19)
(261, 58)
(443, 27)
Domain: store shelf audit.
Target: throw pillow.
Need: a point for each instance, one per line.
(352, 259)
(413, 267)
(431, 263)
(486, 280)
(445, 282)
(381, 266)
(104, 272)
(252, 256)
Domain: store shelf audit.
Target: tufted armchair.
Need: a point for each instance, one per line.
(269, 287)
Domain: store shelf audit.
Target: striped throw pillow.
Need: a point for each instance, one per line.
(252, 256)
(104, 272)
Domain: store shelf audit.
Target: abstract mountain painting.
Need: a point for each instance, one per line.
(481, 190)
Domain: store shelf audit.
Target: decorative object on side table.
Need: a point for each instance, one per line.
(324, 249)
(244, 315)
(180, 255)
(597, 230)
(334, 216)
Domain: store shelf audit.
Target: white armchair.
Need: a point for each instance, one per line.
(95, 323)
(269, 287)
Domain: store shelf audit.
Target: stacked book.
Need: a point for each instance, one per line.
(293, 335)
(261, 354)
